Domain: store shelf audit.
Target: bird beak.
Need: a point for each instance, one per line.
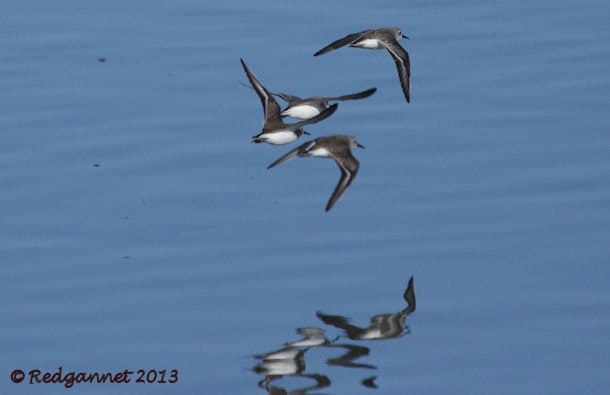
(360, 145)
(403, 36)
(307, 133)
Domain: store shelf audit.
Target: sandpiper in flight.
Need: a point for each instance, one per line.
(307, 108)
(338, 147)
(310, 107)
(275, 131)
(378, 39)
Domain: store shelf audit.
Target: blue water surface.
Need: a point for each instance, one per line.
(141, 229)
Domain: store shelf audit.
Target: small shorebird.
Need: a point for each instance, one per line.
(338, 147)
(310, 107)
(382, 326)
(275, 131)
(312, 337)
(300, 108)
(379, 39)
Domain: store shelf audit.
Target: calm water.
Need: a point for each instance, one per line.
(141, 230)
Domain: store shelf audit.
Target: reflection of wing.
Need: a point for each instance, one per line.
(350, 38)
(353, 96)
(347, 360)
(349, 168)
(409, 297)
(340, 322)
(310, 331)
(337, 321)
(401, 58)
(270, 107)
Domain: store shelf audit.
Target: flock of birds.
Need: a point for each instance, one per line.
(315, 109)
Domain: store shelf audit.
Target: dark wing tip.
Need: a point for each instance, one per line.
(340, 188)
(246, 69)
(323, 51)
(409, 295)
(354, 96)
(366, 93)
(274, 163)
(330, 203)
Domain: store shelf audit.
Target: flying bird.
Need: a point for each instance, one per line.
(310, 107)
(379, 39)
(337, 147)
(275, 131)
(307, 108)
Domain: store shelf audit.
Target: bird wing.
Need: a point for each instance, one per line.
(350, 38)
(321, 116)
(271, 109)
(409, 297)
(286, 97)
(349, 168)
(401, 58)
(353, 96)
(338, 321)
(301, 148)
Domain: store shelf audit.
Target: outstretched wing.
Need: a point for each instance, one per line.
(349, 168)
(301, 148)
(286, 97)
(270, 107)
(321, 116)
(403, 65)
(350, 38)
(354, 96)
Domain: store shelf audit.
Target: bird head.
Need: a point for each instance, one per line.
(353, 143)
(399, 34)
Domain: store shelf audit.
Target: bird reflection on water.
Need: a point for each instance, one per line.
(383, 326)
(290, 360)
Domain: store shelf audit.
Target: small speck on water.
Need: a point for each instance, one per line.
(101, 60)
(96, 165)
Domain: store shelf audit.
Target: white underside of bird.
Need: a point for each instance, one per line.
(301, 112)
